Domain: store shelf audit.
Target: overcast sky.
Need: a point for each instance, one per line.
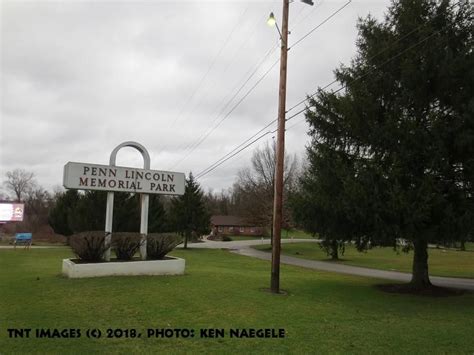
(80, 77)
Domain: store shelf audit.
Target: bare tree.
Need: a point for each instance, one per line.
(38, 202)
(254, 188)
(20, 182)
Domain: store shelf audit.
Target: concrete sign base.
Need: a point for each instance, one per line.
(169, 266)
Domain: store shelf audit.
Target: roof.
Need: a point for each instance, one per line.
(219, 220)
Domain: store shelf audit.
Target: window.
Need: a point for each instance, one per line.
(220, 229)
(242, 229)
(252, 230)
(231, 229)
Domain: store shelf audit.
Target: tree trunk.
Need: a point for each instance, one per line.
(420, 277)
(463, 245)
(186, 240)
(334, 250)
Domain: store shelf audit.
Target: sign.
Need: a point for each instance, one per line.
(84, 176)
(11, 212)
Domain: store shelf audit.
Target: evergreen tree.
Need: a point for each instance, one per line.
(320, 203)
(89, 213)
(61, 212)
(157, 219)
(126, 212)
(188, 214)
(77, 212)
(398, 141)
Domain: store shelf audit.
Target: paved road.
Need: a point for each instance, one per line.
(239, 244)
(243, 248)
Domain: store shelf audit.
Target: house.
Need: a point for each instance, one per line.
(233, 225)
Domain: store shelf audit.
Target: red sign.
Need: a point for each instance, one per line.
(11, 212)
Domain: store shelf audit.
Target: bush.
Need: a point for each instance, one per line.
(226, 238)
(89, 246)
(126, 245)
(160, 244)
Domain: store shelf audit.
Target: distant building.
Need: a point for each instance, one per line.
(233, 225)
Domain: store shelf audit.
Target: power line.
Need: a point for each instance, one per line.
(308, 14)
(322, 23)
(234, 154)
(200, 140)
(240, 145)
(297, 17)
(198, 143)
(224, 159)
(229, 101)
(247, 39)
(257, 67)
(224, 44)
(370, 58)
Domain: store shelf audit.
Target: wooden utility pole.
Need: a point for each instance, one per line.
(280, 156)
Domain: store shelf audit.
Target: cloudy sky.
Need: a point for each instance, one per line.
(80, 77)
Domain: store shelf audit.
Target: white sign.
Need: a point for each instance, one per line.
(11, 211)
(84, 176)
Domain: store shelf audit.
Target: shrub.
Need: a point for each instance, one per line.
(89, 246)
(160, 244)
(226, 238)
(126, 245)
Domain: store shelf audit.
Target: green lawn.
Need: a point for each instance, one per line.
(441, 262)
(296, 234)
(322, 313)
(285, 234)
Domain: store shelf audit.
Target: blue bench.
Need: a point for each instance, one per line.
(23, 239)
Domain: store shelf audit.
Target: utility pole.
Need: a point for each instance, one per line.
(280, 156)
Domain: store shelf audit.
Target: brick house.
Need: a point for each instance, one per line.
(233, 225)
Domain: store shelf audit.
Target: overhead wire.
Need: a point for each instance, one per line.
(240, 145)
(296, 22)
(223, 160)
(234, 56)
(320, 24)
(201, 81)
(229, 101)
(199, 141)
(370, 58)
(191, 146)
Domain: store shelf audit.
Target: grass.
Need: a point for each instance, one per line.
(285, 234)
(323, 312)
(295, 233)
(470, 246)
(441, 262)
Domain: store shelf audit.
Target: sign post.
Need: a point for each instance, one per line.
(110, 178)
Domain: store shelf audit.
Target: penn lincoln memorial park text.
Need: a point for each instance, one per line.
(116, 178)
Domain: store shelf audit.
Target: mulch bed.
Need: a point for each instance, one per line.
(431, 291)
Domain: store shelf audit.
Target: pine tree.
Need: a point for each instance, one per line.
(60, 215)
(188, 213)
(398, 141)
(157, 219)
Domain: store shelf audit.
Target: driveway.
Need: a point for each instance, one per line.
(240, 244)
(243, 247)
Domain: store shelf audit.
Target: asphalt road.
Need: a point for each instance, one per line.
(243, 247)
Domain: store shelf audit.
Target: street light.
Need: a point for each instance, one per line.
(280, 149)
(271, 20)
